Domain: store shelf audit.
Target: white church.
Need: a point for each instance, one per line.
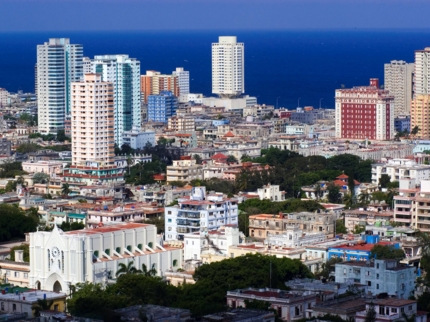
(59, 259)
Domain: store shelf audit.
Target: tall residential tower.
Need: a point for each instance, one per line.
(124, 73)
(422, 72)
(398, 80)
(228, 67)
(59, 63)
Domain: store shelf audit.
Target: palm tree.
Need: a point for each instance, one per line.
(126, 269)
(129, 163)
(65, 189)
(146, 272)
(364, 196)
(318, 191)
(348, 199)
(41, 305)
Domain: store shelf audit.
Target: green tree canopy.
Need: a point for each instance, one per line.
(386, 252)
(14, 223)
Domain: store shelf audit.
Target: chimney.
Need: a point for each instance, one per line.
(374, 82)
(19, 256)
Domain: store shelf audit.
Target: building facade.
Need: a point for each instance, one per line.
(154, 83)
(59, 63)
(398, 169)
(390, 310)
(420, 114)
(228, 67)
(402, 123)
(138, 139)
(364, 112)
(162, 106)
(59, 259)
(183, 83)
(124, 73)
(184, 170)
(422, 72)
(398, 80)
(92, 121)
(380, 276)
(199, 213)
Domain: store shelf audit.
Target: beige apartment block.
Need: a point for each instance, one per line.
(184, 170)
(181, 124)
(153, 83)
(92, 121)
(420, 115)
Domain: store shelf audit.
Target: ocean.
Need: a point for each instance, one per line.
(283, 65)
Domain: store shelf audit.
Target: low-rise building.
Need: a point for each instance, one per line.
(260, 226)
(48, 167)
(271, 192)
(185, 170)
(380, 276)
(181, 124)
(285, 143)
(199, 212)
(345, 308)
(398, 169)
(293, 237)
(390, 310)
(290, 305)
(241, 315)
(138, 139)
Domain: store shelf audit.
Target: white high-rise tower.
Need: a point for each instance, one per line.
(124, 73)
(228, 67)
(59, 63)
(422, 72)
(398, 81)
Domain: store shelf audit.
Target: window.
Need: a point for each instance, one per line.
(402, 309)
(377, 286)
(410, 308)
(377, 276)
(377, 265)
(369, 283)
(16, 274)
(150, 244)
(175, 262)
(55, 307)
(139, 246)
(232, 255)
(393, 310)
(2, 306)
(107, 251)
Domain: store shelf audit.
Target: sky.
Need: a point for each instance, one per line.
(106, 15)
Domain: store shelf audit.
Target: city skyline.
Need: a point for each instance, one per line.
(29, 15)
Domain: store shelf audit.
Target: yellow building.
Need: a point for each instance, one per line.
(420, 115)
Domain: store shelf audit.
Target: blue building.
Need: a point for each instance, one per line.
(162, 106)
(402, 123)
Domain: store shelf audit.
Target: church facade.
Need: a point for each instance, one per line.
(60, 259)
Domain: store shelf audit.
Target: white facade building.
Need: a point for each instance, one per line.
(398, 169)
(200, 212)
(59, 63)
(124, 73)
(422, 72)
(398, 77)
(228, 67)
(92, 121)
(293, 237)
(59, 259)
(183, 82)
(4, 94)
(214, 241)
(138, 139)
(271, 192)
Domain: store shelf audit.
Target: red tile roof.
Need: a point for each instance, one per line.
(229, 134)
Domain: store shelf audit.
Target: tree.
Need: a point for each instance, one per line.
(14, 223)
(364, 197)
(415, 130)
(333, 195)
(25, 248)
(28, 147)
(126, 269)
(370, 313)
(197, 158)
(41, 305)
(386, 252)
(151, 272)
(328, 267)
(358, 229)
(40, 177)
(61, 136)
(340, 227)
(231, 159)
(384, 180)
(65, 189)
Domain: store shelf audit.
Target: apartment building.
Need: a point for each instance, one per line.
(185, 170)
(4, 94)
(183, 83)
(390, 310)
(48, 167)
(92, 120)
(181, 124)
(404, 212)
(162, 106)
(153, 83)
(285, 143)
(59, 63)
(420, 115)
(290, 305)
(421, 72)
(398, 80)
(228, 67)
(138, 139)
(398, 169)
(271, 192)
(261, 226)
(199, 212)
(380, 276)
(374, 214)
(365, 112)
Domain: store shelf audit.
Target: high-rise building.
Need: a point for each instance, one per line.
(3, 97)
(398, 80)
(228, 67)
(420, 115)
(124, 73)
(184, 83)
(162, 106)
(153, 83)
(59, 63)
(422, 72)
(365, 112)
(92, 121)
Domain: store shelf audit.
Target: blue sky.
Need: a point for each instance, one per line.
(76, 15)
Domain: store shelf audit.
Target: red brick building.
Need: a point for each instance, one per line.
(365, 112)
